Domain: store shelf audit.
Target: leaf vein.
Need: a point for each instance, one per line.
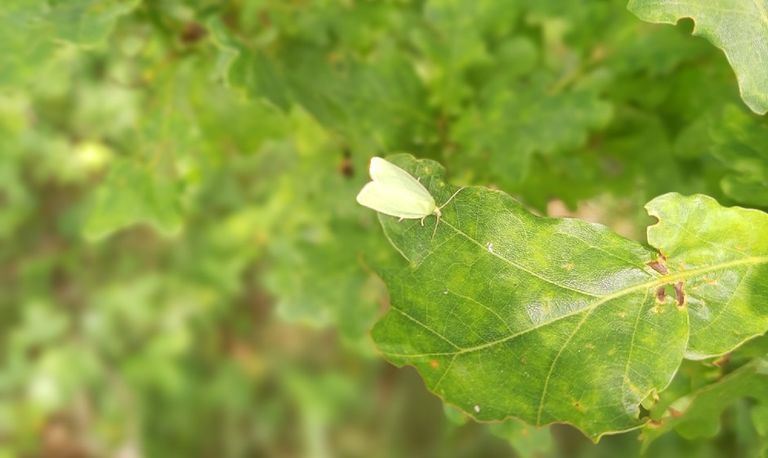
(554, 363)
(405, 314)
(484, 306)
(667, 279)
(516, 265)
(727, 303)
(625, 379)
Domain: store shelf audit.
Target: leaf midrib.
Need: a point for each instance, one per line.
(659, 281)
(663, 280)
(517, 265)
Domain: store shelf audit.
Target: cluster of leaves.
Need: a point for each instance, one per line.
(187, 273)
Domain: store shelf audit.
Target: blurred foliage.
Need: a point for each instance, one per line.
(738, 28)
(183, 266)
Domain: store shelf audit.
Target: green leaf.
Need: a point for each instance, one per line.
(302, 270)
(505, 313)
(31, 31)
(527, 441)
(697, 414)
(728, 301)
(452, 43)
(739, 28)
(618, 161)
(376, 104)
(740, 143)
(511, 125)
(228, 50)
(133, 193)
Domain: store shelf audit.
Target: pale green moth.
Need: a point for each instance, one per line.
(394, 192)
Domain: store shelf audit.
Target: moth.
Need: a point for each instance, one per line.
(394, 192)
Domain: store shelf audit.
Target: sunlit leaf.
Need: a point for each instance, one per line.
(726, 252)
(556, 320)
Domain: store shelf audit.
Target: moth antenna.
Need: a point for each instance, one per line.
(438, 214)
(451, 198)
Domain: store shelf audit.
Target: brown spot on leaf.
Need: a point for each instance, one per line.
(434, 364)
(680, 293)
(659, 265)
(661, 294)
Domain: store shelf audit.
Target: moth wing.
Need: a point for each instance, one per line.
(396, 200)
(386, 172)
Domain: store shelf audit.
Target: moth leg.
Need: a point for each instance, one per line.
(422, 221)
(400, 220)
(437, 221)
